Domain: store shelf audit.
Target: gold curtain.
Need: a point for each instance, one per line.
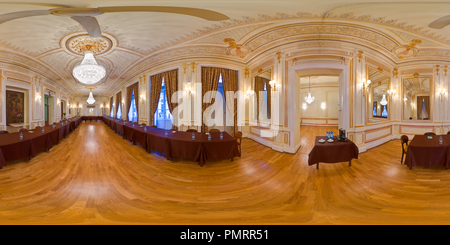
(136, 99)
(129, 93)
(210, 82)
(130, 89)
(230, 83)
(118, 99)
(155, 92)
(171, 85)
(269, 99)
(111, 101)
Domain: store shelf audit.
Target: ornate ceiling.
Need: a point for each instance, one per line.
(135, 40)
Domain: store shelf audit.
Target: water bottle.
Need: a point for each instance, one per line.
(221, 136)
(193, 136)
(145, 128)
(332, 134)
(209, 136)
(43, 130)
(328, 134)
(133, 125)
(167, 133)
(53, 126)
(440, 140)
(21, 136)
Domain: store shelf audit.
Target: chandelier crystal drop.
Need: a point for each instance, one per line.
(309, 99)
(383, 100)
(91, 99)
(89, 72)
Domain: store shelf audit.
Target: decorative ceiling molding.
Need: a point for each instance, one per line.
(318, 30)
(35, 66)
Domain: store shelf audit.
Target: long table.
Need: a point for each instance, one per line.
(34, 141)
(424, 151)
(177, 143)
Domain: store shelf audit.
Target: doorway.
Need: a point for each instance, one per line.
(329, 89)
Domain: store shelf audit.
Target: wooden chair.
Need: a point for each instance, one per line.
(404, 140)
(238, 137)
(214, 131)
(154, 126)
(4, 132)
(448, 132)
(192, 130)
(23, 130)
(429, 133)
(144, 124)
(174, 129)
(37, 128)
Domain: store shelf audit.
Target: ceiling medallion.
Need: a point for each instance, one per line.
(89, 72)
(98, 46)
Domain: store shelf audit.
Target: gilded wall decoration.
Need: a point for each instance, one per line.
(236, 49)
(338, 31)
(15, 104)
(406, 51)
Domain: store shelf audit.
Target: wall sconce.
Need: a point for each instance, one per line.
(304, 106)
(249, 92)
(273, 84)
(405, 99)
(58, 102)
(101, 106)
(142, 97)
(188, 89)
(366, 86)
(392, 92)
(38, 97)
(323, 105)
(441, 92)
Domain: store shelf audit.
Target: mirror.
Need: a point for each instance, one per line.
(416, 93)
(262, 90)
(378, 97)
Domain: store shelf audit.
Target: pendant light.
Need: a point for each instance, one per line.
(309, 99)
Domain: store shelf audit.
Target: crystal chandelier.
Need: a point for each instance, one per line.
(383, 100)
(309, 99)
(89, 72)
(91, 99)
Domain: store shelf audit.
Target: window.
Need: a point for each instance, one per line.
(119, 113)
(112, 111)
(132, 114)
(163, 118)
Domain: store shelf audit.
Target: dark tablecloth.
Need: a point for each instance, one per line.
(178, 144)
(13, 148)
(335, 152)
(428, 152)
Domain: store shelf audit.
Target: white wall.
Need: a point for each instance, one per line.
(314, 114)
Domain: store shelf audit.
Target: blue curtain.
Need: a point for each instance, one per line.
(384, 113)
(132, 114)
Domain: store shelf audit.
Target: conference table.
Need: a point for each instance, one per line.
(334, 152)
(177, 143)
(34, 141)
(425, 150)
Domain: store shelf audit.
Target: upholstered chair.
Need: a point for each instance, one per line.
(404, 139)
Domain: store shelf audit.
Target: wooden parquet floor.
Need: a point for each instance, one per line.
(96, 177)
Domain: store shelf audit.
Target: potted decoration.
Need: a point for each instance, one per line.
(20, 116)
(64, 115)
